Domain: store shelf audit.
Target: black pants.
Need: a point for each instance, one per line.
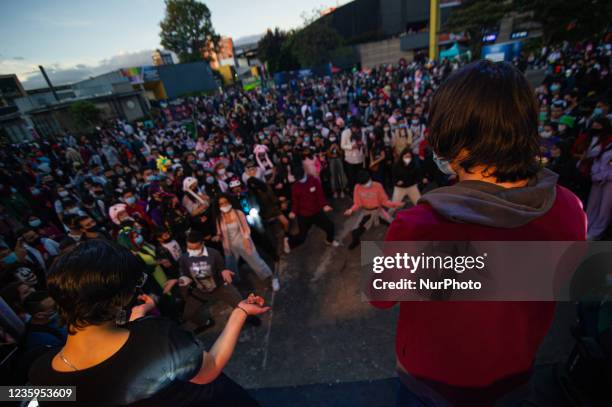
(351, 174)
(321, 220)
(360, 229)
(195, 311)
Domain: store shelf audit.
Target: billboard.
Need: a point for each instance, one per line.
(506, 51)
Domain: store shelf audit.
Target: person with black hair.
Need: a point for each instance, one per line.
(310, 207)
(407, 175)
(148, 361)
(352, 142)
(371, 198)
(204, 277)
(44, 329)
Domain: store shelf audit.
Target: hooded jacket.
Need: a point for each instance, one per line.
(476, 344)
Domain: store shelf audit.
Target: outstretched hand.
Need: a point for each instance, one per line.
(253, 305)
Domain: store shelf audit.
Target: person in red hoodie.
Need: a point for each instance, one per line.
(473, 353)
(309, 205)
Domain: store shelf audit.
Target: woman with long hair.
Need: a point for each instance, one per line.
(235, 234)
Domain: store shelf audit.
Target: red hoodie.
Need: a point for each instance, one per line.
(307, 198)
(474, 344)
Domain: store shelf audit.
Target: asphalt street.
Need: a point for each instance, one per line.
(322, 345)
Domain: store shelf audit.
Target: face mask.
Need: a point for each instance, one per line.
(368, 184)
(303, 179)
(443, 165)
(554, 88)
(35, 191)
(332, 139)
(562, 127)
(35, 223)
(139, 240)
(407, 160)
(194, 253)
(152, 178)
(226, 208)
(221, 171)
(73, 211)
(63, 194)
(415, 122)
(10, 259)
(170, 152)
(210, 180)
(546, 134)
(130, 200)
(597, 111)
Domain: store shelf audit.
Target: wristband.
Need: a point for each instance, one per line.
(243, 310)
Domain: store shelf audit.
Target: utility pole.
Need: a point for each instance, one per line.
(434, 27)
(48, 82)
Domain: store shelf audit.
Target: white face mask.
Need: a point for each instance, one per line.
(546, 134)
(194, 253)
(407, 160)
(368, 184)
(221, 171)
(63, 194)
(226, 208)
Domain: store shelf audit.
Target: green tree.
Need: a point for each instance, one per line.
(275, 49)
(475, 17)
(315, 43)
(85, 114)
(188, 31)
(568, 19)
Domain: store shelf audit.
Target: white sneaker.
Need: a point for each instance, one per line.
(275, 284)
(286, 247)
(334, 243)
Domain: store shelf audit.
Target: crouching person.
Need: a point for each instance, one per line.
(205, 278)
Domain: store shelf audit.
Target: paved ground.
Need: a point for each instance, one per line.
(321, 345)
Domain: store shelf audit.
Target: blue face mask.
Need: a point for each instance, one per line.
(210, 180)
(130, 200)
(139, 240)
(443, 165)
(10, 259)
(597, 111)
(554, 88)
(35, 223)
(152, 178)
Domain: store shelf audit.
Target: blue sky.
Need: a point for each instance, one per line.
(76, 39)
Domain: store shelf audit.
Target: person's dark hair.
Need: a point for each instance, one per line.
(298, 171)
(32, 303)
(195, 236)
(489, 110)
(363, 177)
(72, 221)
(92, 282)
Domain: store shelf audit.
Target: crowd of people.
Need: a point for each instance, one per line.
(241, 177)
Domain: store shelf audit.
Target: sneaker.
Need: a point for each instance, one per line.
(253, 320)
(275, 284)
(333, 243)
(286, 247)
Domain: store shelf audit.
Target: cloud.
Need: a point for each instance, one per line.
(62, 74)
